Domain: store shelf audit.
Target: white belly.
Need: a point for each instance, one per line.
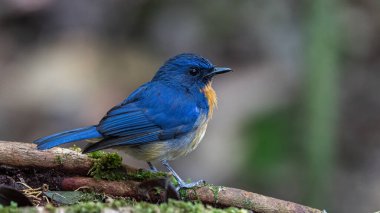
(170, 149)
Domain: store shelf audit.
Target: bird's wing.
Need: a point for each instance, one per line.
(152, 113)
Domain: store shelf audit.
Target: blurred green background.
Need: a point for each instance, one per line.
(298, 119)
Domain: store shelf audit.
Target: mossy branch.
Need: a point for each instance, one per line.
(26, 155)
(20, 155)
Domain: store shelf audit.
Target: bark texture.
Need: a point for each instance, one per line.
(20, 155)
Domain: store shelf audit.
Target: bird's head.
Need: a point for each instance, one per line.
(189, 71)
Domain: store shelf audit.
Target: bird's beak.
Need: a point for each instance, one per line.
(219, 70)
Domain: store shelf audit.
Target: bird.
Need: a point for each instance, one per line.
(161, 120)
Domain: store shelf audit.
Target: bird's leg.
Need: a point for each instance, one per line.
(152, 168)
(181, 183)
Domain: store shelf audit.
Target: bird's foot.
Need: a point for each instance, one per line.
(183, 185)
(152, 168)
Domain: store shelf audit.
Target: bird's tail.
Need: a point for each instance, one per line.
(67, 137)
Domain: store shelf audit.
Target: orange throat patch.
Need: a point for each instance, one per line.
(212, 100)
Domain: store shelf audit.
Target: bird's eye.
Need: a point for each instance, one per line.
(194, 71)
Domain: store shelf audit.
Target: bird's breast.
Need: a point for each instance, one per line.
(187, 143)
(199, 134)
(211, 98)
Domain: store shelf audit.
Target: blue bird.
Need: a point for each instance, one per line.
(160, 121)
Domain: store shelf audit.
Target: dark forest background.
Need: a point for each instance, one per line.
(298, 119)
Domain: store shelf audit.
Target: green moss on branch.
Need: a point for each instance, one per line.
(129, 206)
(108, 166)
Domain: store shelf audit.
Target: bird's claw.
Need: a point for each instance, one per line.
(183, 185)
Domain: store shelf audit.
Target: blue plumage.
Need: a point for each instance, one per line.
(161, 120)
(67, 137)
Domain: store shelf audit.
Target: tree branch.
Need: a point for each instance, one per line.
(26, 155)
(17, 154)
